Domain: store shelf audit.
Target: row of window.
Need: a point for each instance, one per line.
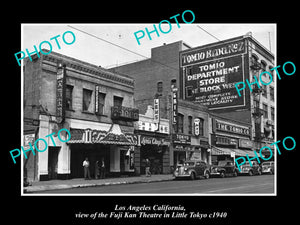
(87, 99)
(180, 125)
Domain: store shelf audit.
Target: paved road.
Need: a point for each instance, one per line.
(233, 185)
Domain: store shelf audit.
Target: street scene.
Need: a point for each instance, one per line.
(171, 120)
(234, 185)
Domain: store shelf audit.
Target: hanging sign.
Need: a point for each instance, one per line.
(174, 105)
(60, 93)
(197, 126)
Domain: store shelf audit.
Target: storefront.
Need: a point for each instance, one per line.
(115, 147)
(155, 147)
(229, 140)
(186, 147)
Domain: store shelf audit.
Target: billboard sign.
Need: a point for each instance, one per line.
(210, 73)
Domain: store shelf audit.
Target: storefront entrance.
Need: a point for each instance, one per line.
(94, 152)
(155, 154)
(52, 162)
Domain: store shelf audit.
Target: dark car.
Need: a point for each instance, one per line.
(250, 170)
(192, 169)
(267, 167)
(224, 168)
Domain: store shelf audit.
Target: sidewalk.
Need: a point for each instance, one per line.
(81, 182)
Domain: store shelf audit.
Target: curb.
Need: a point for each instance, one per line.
(32, 189)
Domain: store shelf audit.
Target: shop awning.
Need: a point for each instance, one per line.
(220, 151)
(228, 151)
(113, 136)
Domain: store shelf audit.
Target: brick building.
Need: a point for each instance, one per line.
(63, 92)
(158, 78)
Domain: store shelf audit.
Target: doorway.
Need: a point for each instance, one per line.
(52, 162)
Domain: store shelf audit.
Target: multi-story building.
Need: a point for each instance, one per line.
(94, 104)
(158, 78)
(208, 75)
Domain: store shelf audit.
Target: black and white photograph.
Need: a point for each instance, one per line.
(160, 113)
(178, 114)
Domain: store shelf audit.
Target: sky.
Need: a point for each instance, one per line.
(98, 52)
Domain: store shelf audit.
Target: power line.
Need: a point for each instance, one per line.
(126, 49)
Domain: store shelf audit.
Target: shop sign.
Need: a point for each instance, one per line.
(181, 139)
(124, 113)
(147, 126)
(97, 99)
(184, 148)
(156, 111)
(60, 93)
(197, 126)
(174, 105)
(28, 139)
(146, 140)
(245, 143)
(221, 126)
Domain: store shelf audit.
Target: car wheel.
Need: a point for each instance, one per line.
(193, 176)
(250, 173)
(206, 175)
(222, 174)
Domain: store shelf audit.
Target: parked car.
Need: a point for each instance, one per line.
(268, 167)
(250, 170)
(224, 168)
(192, 169)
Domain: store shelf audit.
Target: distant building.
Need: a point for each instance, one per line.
(94, 104)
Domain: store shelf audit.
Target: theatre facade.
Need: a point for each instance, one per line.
(95, 105)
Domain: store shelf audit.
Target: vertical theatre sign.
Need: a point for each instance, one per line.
(174, 105)
(156, 113)
(60, 93)
(210, 73)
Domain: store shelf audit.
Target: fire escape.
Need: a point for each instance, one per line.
(257, 112)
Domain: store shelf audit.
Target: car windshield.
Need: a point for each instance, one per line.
(266, 164)
(189, 163)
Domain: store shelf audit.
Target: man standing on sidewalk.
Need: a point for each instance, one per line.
(86, 168)
(148, 173)
(102, 169)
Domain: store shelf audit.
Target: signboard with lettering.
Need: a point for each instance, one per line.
(181, 139)
(245, 143)
(197, 126)
(149, 140)
(156, 111)
(97, 99)
(232, 128)
(211, 72)
(60, 93)
(174, 105)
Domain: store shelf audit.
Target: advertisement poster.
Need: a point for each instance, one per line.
(90, 85)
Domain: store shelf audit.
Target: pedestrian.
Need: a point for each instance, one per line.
(102, 169)
(148, 173)
(86, 168)
(97, 170)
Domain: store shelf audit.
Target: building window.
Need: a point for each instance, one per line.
(101, 103)
(180, 123)
(264, 91)
(159, 87)
(263, 66)
(272, 93)
(201, 127)
(118, 101)
(189, 91)
(86, 100)
(69, 93)
(272, 113)
(265, 110)
(190, 128)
